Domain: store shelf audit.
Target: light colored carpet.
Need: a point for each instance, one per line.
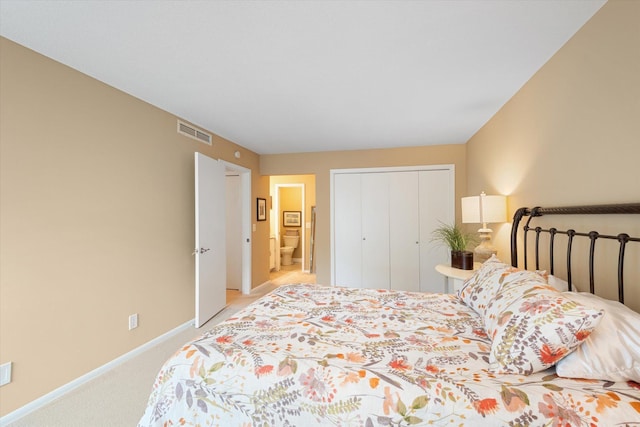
(294, 277)
(118, 397)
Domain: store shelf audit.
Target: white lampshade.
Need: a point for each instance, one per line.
(484, 209)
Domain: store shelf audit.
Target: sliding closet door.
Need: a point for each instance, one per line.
(404, 231)
(382, 224)
(375, 230)
(347, 230)
(436, 206)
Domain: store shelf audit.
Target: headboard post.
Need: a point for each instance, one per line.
(570, 233)
(552, 232)
(623, 238)
(517, 217)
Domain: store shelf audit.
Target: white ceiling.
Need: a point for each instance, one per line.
(300, 76)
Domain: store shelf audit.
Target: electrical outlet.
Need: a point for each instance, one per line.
(5, 373)
(133, 321)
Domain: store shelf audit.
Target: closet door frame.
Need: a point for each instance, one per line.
(333, 172)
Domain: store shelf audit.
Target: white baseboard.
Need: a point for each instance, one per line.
(257, 288)
(60, 391)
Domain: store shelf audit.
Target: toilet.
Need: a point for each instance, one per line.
(291, 240)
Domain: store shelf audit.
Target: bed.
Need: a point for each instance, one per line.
(510, 348)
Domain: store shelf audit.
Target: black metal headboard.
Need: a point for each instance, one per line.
(622, 238)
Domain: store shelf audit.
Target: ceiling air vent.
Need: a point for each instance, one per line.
(192, 132)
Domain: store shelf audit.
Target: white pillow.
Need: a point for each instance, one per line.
(612, 351)
(559, 284)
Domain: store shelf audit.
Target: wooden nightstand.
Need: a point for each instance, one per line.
(454, 277)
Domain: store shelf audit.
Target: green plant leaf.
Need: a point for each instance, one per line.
(452, 236)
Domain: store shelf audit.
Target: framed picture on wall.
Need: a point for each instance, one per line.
(291, 218)
(262, 209)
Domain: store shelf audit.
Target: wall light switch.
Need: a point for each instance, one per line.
(133, 321)
(5, 373)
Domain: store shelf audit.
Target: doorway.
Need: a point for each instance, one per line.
(238, 226)
(293, 194)
(289, 198)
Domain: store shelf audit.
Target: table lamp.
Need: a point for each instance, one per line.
(484, 209)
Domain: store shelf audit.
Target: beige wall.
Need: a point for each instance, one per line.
(309, 183)
(97, 222)
(571, 135)
(321, 163)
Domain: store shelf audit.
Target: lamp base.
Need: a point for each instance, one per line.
(485, 249)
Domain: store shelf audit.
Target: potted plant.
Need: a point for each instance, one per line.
(457, 241)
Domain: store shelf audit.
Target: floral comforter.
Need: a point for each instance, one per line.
(308, 355)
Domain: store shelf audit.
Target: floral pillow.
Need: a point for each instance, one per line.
(480, 289)
(533, 326)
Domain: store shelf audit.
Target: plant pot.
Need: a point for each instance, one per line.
(462, 260)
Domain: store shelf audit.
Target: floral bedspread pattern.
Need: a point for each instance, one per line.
(307, 355)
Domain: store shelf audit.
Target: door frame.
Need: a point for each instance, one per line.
(245, 188)
(333, 172)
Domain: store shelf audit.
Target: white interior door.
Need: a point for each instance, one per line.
(347, 230)
(437, 189)
(375, 230)
(381, 225)
(404, 231)
(210, 238)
